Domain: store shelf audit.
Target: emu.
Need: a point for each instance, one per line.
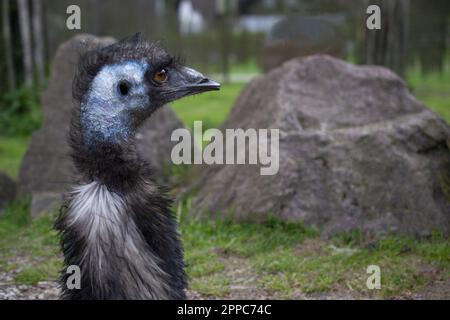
(116, 224)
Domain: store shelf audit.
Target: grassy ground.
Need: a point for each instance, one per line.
(275, 259)
(12, 149)
(30, 245)
(289, 260)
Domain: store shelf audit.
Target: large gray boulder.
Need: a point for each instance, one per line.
(7, 190)
(357, 151)
(46, 169)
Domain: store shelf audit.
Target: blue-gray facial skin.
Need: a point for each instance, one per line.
(116, 92)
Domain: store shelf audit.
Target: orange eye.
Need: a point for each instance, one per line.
(160, 76)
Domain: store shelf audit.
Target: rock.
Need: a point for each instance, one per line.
(300, 36)
(45, 201)
(46, 169)
(357, 151)
(7, 190)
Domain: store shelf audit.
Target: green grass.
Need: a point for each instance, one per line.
(32, 241)
(334, 267)
(212, 107)
(289, 256)
(250, 67)
(12, 149)
(433, 89)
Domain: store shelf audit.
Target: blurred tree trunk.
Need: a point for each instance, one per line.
(6, 26)
(280, 6)
(225, 42)
(223, 21)
(25, 34)
(387, 47)
(38, 37)
(430, 33)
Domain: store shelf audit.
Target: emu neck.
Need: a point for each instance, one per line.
(117, 226)
(113, 162)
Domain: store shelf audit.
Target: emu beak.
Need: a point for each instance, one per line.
(186, 81)
(197, 82)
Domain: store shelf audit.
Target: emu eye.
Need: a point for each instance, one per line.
(124, 87)
(160, 76)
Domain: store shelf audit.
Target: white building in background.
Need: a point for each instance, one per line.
(190, 20)
(258, 23)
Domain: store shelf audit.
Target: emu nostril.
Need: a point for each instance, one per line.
(204, 80)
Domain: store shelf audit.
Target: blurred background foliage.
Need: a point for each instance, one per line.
(20, 113)
(231, 40)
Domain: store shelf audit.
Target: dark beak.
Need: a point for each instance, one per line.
(196, 82)
(203, 85)
(186, 81)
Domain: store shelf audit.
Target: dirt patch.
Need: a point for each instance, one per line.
(44, 290)
(310, 246)
(438, 290)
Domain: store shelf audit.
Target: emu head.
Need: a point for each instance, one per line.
(121, 85)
